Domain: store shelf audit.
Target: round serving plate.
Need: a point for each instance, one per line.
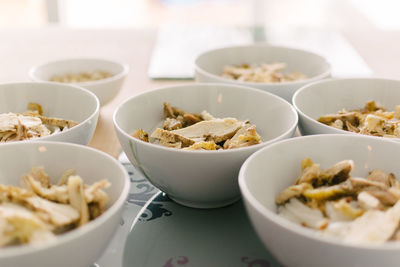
(167, 234)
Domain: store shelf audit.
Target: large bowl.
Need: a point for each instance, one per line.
(105, 89)
(80, 247)
(209, 66)
(330, 96)
(272, 169)
(202, 179)
(58, 100)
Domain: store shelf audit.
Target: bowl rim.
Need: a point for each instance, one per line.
(62, 239)
(119, 75)
(324, 74)
(292, 228)
(71, 86)
(163, 148)
(314, 86)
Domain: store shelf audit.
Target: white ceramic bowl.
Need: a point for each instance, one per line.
(105, 89)
(209, 66)
(80, 247)
(58, 100)
(330, 96)
(203, 179)
(272, 169)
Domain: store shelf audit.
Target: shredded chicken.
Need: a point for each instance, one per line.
(30, 124)
(370, 120)
(261, 73)
(39, 210)
(354, 209)
(191, 131)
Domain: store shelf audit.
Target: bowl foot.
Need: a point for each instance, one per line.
(204, 205)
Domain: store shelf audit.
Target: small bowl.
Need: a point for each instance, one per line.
(332, 95)
(201, 179)
(79, 247)
(58, 100)
(105, 89)
(272, 169)
(209, 66)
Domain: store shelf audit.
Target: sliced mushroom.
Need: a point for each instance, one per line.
(206, 116)
(56, 214)
(171, 137)
(202, 146)
(41, 176)
(245, 136)
(217, 130)
(95, 194)
(53, 193)
(339, 172)
(168, 112)
(350, 127)
(351, 117)
(19, 224)
(77, 198)
(373, 124)
(171, 124)
(292, 191)
(141, 135)
(35, 107)
(310, 172)
(359, 184)
(58, 122)
(329, 192)
(64, 178)
(380, 176)
(384, 196)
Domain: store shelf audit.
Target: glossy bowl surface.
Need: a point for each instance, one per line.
(209, 66)
(272, 169)
(57, 100)
(331, 95)
(105, 89)
(201, 179)
(80, 247)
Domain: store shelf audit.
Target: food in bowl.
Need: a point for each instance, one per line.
(261, 73)
(192, 131)
(373, 119)
(355, 209)
(30, 124)
(81, 77)
(38, 211)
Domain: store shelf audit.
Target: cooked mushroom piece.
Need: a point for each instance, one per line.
(192, 131)
(310, 172)
(351, 117)
(19, 225)
(372, 119)
(339, 172)
(141, 135)
(292, 191)
(30, 124)
(217, 130)
(355, 209)
(245, 136)
(77, 199)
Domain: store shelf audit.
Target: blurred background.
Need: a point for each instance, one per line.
(337, 14)
(371, 27)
